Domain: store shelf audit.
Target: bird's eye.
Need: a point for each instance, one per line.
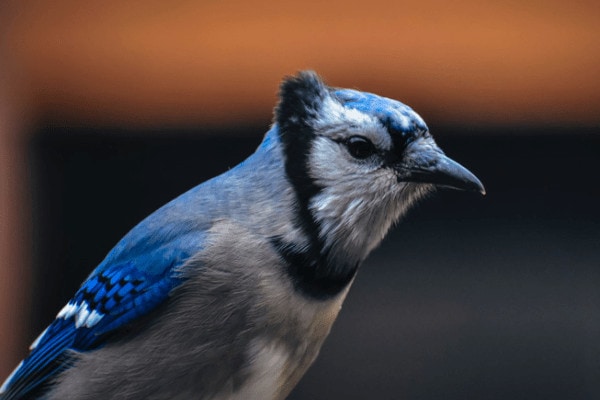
(360, 147)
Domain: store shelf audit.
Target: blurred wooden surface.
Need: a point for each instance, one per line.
(197, 62)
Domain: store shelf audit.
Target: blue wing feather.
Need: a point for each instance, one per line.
(136, 277)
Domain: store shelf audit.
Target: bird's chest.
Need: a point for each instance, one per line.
(265, 374)
(277, 360)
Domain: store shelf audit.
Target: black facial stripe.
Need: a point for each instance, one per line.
(296, 168)
(301, 98)
(310, 273)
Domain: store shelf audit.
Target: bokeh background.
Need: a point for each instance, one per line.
(108, 109)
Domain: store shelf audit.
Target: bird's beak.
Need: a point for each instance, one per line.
(424, 162)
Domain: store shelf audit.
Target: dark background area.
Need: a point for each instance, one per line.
(470, 297)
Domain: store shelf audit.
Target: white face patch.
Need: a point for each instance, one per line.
(358, 202)
(359, 199)
(354, 221)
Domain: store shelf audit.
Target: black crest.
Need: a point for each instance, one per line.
(300, 100)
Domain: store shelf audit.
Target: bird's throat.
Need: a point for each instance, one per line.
(312, 273)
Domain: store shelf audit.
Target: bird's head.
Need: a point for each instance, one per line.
(357, 162)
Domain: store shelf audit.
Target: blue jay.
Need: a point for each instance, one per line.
(228, 291)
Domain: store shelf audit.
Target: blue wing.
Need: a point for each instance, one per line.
(105, 302)
(134, 279)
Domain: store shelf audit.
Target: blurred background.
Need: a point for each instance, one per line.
(108, 109)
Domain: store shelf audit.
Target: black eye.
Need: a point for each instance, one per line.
(360, 147)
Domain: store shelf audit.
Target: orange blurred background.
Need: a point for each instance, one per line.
(184, 62)
(218, 63)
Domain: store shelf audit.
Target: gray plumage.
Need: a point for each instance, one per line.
(256, 262)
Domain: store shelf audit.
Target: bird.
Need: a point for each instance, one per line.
(229, 291)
